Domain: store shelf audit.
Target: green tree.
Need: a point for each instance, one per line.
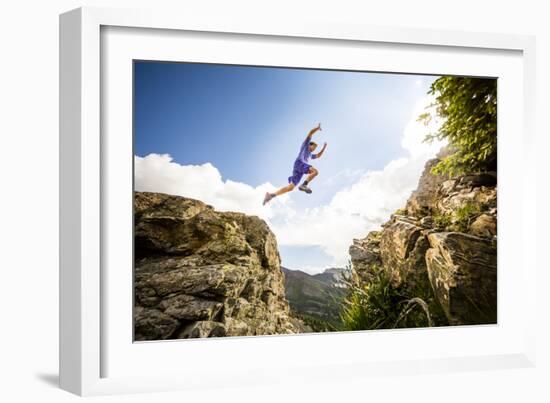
(468, 108)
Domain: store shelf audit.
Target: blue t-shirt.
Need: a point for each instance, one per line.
(305, 154)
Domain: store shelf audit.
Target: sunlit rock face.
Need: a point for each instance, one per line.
(443, 242)
(203, 273)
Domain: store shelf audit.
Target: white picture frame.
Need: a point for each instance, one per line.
(84, 339)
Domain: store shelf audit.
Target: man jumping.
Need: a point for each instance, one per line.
(301, 167)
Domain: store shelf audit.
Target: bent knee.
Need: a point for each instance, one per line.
(313, 171)
(291, 186)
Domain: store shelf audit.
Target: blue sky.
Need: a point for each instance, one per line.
(248, 123)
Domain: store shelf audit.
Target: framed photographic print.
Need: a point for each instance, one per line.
(255, 193)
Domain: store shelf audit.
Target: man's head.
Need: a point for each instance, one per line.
(312, 146)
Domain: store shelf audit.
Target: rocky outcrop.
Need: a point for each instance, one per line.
(203, 273)
(403, 245)
(463, 270)
(424, 197)
(442, 243)
(485, 226)
(365, 256)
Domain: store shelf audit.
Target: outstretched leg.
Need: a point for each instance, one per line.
(286, 189)
(313, 172)
(283, 190)
(311, 175)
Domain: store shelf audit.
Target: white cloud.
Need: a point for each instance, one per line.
(351, 213)
(362, 207)
(345, 176)
(415, 131)
(159, 173)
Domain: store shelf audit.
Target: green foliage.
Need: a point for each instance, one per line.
(468, 107)
(375, 236)
(313, 299)
(379, 305)
(317, 325)
(442, 221)
(400, 211)
(371, 307)
(463, 216)
(459, 220)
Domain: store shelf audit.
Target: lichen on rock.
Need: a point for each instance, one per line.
(443, 243)
(462, 271)
(204, 273)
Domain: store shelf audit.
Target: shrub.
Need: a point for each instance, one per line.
(317, 325)
(442, 220)
(379, 305)
(468, 108)
(464, 215)
(459, 220)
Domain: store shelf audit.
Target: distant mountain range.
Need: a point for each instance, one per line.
(317, 298)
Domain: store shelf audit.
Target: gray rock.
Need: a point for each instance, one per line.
(238, 327)
(152, 324)
(482, 197)
(203, 329)
(463, 273)
(198, 270)
(484, 226)
(399, 250)
(422, 199)
(448, 186)
(188, 307)
(479, 179)
(427, 222)
(365, 254)
(455, 272)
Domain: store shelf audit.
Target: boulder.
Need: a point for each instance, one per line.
(427, 222)
(203, 329)
(441, 248)
(422, 200)
(482, 198)
(365, 255)
(188, 307)
(463, 273)
(479, 179)
(204, 273)
(484, 226)
(152, 324)
(402, 248)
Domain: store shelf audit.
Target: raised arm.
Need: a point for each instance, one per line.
(312, 131)
(320, 153)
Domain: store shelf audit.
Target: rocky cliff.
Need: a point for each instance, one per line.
(441, 245)
(203, 273)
